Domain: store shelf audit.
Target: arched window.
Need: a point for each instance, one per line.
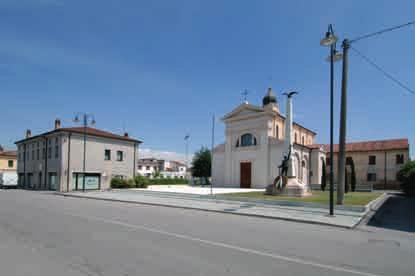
(247, 140)
(277, 132)
(295, 137)
(302, 140)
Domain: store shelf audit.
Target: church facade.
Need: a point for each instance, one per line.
(254, 148)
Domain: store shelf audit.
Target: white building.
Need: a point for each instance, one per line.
(165, 168)
(254, 148)
(54, 160)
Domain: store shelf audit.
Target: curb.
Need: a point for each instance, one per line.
(372, 207)
(210, 210)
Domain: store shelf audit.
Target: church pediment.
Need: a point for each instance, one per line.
(244, 110)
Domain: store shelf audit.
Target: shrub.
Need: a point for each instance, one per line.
(406, 176)
(141, 181)
(118, 183)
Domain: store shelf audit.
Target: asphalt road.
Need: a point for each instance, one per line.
(44, 234)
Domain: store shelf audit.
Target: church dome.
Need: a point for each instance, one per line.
(269, 98)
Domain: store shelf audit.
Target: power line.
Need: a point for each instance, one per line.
(386, 74)
(382, 31)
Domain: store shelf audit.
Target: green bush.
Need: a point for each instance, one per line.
(406, 176)
(167, 181)
(118, 183)
(141, 181)
(323, 176)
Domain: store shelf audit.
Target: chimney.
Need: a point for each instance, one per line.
(57, 123)
(28, 133)
(125, 134)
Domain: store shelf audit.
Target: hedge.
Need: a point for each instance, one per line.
(167, 181)
(137, 182)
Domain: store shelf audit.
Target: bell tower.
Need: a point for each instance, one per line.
(269, 102)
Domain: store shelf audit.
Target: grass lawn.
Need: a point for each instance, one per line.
(351, 198)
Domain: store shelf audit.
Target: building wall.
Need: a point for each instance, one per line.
(95, 161)
(218, 165)
(362, 167)
(58, 164)
(4, 163)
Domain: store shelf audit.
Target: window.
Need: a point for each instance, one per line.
(56, 151)
(372, 159)
(33, 154)
(399, 159)
(107, 155)
(37, 154)
(56, 140)
(302, 140)
(371, 177)
(248, 140)
(349, 160)
(43, 153)
(147, 168)
(120, 155)
(10, 163)
(295, 138)
(49, 152)
(277, 131)
(140, 167)
(155, 168)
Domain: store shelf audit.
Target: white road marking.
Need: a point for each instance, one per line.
(228, 246)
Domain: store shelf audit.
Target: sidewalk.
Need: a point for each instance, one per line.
(316, 215)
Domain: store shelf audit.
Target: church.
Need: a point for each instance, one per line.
(255, 146)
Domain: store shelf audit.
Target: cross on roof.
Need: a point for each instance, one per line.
(245, 94)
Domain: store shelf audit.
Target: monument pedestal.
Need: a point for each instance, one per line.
(291, 188)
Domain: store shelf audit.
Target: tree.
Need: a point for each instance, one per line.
(406, 176)
(323, 176)
(346, 181)
(202, 164)
(353, 176)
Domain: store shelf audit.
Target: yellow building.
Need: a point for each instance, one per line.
(376, 162)
(8, 161)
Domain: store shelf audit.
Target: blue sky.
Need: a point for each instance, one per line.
(160, 69)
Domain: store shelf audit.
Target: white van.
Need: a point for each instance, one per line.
(8, 180)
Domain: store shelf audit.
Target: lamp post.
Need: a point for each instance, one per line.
(186, 139)
(87, 119)
(330, 40)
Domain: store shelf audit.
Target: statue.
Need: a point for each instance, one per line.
(287, 183)
(283, 170)
(284, 164)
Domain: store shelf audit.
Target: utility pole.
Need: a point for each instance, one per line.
(343, 120)
(211, 154)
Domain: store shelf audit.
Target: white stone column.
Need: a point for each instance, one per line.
(288, 134)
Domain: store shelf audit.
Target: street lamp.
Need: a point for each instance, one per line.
(330, 40)
(86, 119)
(186, 139)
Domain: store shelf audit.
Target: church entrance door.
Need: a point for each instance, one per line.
(246, 175)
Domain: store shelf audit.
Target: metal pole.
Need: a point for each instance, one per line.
(211, 154)
(84, 165)
(343, 118)
(331, 128)
(187, 159)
